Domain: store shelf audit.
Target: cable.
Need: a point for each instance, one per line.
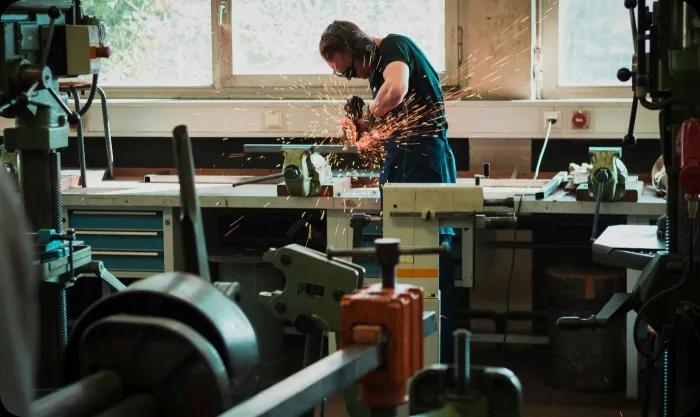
(509, 286)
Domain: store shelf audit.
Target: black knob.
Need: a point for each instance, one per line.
(624, 74)
(54, 12)
(630, 4)
(291, 173)
(629, 140)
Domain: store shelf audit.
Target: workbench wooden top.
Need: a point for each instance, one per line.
(135, 192)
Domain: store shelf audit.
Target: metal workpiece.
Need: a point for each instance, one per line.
(314, 286)
(194, 246)
(277, 148)
(306, 388)
(192, 302)
(82, 398)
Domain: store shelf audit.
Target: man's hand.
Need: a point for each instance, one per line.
(359, 112)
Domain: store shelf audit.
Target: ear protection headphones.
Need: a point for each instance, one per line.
(361, 47)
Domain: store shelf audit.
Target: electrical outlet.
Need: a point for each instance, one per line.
(548, 115)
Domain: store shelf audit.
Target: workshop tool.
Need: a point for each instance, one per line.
(305, 170)
(191, 229)
(608, 180)
(463, 390)
(172, 337)
(45, 41)
(608, 175)
(310, 301)
(666, 297)
(375, 344)
(74, 87)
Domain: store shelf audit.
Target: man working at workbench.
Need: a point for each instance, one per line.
(407, 119)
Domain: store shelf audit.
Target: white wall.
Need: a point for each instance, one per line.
(295, 118)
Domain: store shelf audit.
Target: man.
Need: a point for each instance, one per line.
(407, 117)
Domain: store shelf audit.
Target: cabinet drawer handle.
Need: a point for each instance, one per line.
(120, 253)
(114, 233)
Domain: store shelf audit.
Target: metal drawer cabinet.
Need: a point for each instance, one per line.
(131, 243)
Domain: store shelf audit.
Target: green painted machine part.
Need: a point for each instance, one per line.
(314, 285)
(608, 172)
(305, 172)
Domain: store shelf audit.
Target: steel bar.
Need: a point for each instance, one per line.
(309, 386)
(261, 178)
(195, 251)
(82, 398)
(276, 148)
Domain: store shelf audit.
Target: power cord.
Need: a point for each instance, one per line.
(550, 123)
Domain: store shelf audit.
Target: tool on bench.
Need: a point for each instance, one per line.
(305, 171)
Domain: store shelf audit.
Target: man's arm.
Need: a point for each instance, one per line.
(394, 89)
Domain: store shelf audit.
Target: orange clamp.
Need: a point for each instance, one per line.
(398, 312)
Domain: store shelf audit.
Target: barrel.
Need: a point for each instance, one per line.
(585, 359)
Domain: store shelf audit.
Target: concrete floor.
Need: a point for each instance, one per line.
(541, 399)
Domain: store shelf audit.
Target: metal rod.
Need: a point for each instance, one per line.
(81, 137)
(309, 386)
(195, 250)
(426, 250)
(258, 179)
(108, 133)
(462, 366)
(82, 398)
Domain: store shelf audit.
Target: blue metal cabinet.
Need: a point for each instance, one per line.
(129, 242)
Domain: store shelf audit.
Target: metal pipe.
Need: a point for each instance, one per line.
(81, 136)
(258, 179)
(301, 391)
(108, 133)
(82, 398)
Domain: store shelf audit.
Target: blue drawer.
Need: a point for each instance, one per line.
(131, 261)
(116, 219)
(122, 240)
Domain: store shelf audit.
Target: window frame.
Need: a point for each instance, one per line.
(226, 85)
(549, 48)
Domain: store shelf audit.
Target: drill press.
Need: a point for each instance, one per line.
(42, 41)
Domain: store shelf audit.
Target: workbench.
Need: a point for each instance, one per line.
(131, 221)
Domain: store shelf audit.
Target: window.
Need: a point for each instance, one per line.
(155, 42)
(281, 36)
(213, 48)
(584, 44)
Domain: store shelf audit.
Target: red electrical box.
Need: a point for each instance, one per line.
(579, 120)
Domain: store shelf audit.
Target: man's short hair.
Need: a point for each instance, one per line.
(342, 35)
